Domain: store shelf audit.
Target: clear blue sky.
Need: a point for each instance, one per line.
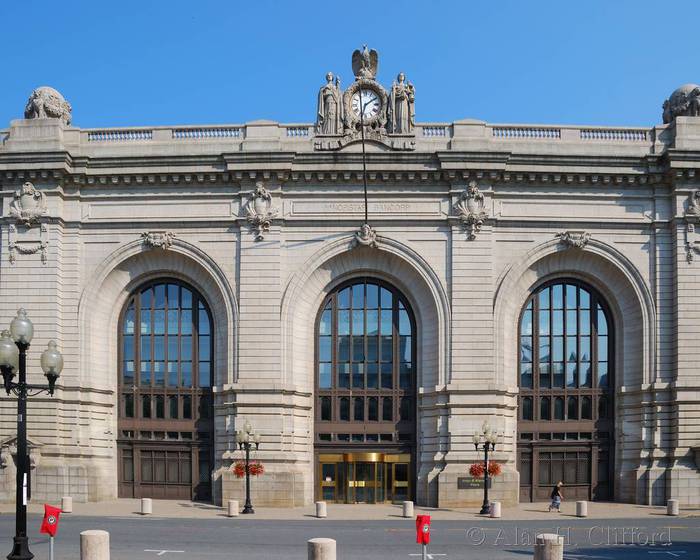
(128, 63)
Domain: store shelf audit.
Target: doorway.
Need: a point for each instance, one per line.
(364, 478)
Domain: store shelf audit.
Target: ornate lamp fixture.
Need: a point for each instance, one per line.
(14, 344)
(490, 439)
(246, 439)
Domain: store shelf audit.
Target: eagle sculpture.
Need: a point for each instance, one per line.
(364, 63)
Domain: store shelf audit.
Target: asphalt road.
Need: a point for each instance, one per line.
(140, 538)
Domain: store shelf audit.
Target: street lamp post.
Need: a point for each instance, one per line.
(489, 444)
(245, 439)
(13, 359)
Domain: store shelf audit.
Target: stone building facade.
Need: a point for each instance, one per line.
(545, 279)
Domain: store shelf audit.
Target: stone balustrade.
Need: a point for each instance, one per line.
(298, 131)
(528, 132)
(119, 135)
(614, 134)
(209, 132)
(302, 137)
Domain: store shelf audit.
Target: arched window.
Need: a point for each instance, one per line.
(365, 365)
(565, 369)
(165, 377)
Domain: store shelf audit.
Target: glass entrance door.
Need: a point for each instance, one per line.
(363, 482)
(364, 478)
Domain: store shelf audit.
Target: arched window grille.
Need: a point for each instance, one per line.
(365, 365)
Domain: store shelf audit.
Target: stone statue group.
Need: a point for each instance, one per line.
(398, 112)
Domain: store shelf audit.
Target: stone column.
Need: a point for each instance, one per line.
(66, 504)
(408, 509)
(495, 510)
(321, 510)
(549, 546)
(672, 508)
(232, 508)
(94, 545)
(146, 506)
(321, 549)
(582, 509)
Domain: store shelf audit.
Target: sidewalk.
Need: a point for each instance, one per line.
(182, 509)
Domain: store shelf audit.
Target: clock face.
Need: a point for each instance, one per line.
(370, 104)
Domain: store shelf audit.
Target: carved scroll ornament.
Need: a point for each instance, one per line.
(28, 205)
(260, 212)
(471, 210)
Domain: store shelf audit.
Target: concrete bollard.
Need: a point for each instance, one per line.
(232, 508)
(495, 510)
(66, 504)
(549, 546)
(673, 508)
(146, 506)
(408, 509)
(94, 545)
(582, 509)
(321, 511)
(321, 549)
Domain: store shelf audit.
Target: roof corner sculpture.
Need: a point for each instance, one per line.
(387, 118)
(46, 103)
(683, 102)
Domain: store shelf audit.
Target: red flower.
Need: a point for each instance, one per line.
(238, 469)
(255, 468)
(477, 469)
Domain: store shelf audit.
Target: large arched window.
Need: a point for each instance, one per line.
(165, 378)
(565, 363)
(365, 366)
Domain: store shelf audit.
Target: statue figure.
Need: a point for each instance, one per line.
(364, 63)
(684, 102)
(401, 106)
(329, 116)
(365, 237)
(47, 103)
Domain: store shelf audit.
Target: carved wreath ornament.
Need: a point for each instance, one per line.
(577, 240)
(692, 218)
(470, 210)
(21, 247)
(158, 239)
(259, 211)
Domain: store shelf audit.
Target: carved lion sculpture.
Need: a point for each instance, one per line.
(47, 103)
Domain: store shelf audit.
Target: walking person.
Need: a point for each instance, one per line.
(556, 497)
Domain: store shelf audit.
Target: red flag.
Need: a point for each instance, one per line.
(50, 523)
(423, 529)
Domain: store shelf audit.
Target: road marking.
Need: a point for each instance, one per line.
(429, 555)
(161, 552)
(674, 553)
(584, 556)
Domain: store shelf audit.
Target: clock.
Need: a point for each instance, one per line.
(370, 104)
